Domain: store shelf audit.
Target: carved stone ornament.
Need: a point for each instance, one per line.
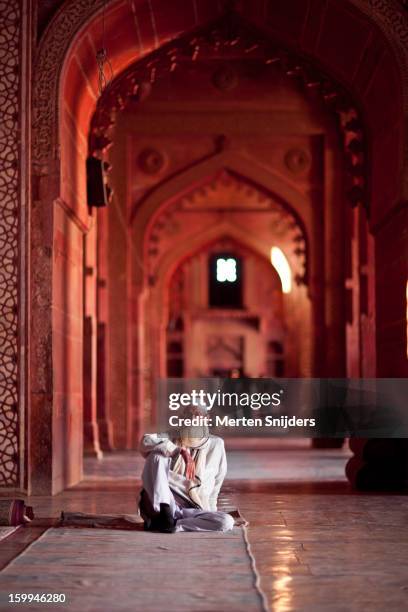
(225, 78)
(237, 34)
(297, 161)
(9, 239)
(238, 194)
(67, 23)
(388, 15)
(151, 161)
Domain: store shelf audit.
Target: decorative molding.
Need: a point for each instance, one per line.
(241, 40)
(297, 161)
(54, 45)
(151, 161)
(237, 194)
(10, 28)
(225, 193)
(391, 18)
(389, 15)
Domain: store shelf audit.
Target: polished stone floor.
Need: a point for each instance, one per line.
(318, 547)
(274, 461)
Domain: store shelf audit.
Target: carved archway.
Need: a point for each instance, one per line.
(205, 170)
(75, 15)
(222, 42)
(61, 46)
(163, 241)
(198, 339)
(238, 195)
(153, 305)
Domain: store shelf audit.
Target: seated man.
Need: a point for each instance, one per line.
(181, 481)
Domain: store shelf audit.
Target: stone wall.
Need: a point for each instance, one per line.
(11, 403)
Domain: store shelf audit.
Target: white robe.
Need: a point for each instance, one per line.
(211, 467)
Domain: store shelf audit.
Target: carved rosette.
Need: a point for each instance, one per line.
(151, 161)
(10, 13)
(297, 161)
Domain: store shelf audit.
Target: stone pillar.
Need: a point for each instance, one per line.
(102, 367)
(117, 256)
(382, 464)
(367, 300)
(391, 272)
(334, 241)
(135, 369)
(353, 295)
(316, 284)
(41, 365)
(329, 236)
(15, 75)
(91, 432)
(361, 288)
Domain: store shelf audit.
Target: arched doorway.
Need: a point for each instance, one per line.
(223, 213)
(235, 320)
(61, 217)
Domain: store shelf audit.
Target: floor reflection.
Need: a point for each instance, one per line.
(318, 546)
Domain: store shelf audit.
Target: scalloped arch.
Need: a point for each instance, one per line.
(218, 232)
(76, 18)
(144, 217)
(189, 180)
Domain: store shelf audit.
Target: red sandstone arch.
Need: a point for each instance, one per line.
(64, 99)
(153, 306)
(68, 98)
(191, 178)
(151, 282)
(240, 246)
(187, 182)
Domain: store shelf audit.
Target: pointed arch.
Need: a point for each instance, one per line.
(143, 216)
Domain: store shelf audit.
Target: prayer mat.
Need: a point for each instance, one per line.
(101, 521)
(132, 522)
(113, 570)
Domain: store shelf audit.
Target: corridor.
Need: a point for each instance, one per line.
(204, 193)
(316, 545)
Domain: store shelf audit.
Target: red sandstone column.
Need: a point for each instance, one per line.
(135, 364)
(316, 284)
(367, 297)
(118, 253)
(353, 289)
(391, 271)
(91, 433)
(379, 464)
(102, 360)
(361, 285)
(334, 241)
